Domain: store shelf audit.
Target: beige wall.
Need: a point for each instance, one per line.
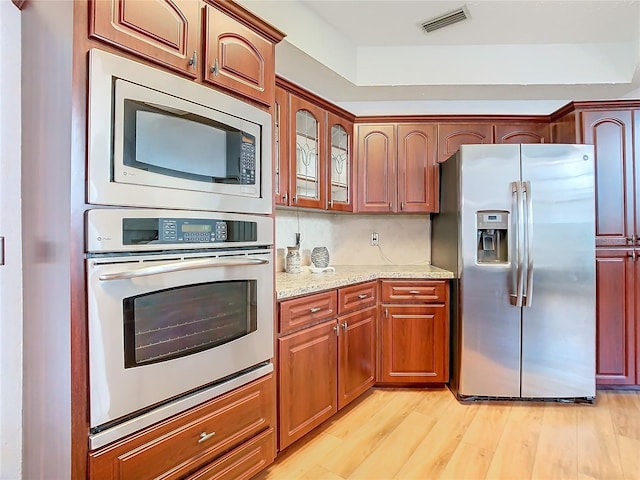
(404, 239)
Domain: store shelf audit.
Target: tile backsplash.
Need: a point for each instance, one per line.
(403, 239)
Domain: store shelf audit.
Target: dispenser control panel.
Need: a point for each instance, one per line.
(495, 220)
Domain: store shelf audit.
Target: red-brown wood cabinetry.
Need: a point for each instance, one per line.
(414, 332)
(162, 31)
(219, 43)
(281, 147)
(397, 170)
(617, 348)
(236, 428)
(528, 132)
(328, 359)
(611, 133)
(452, 135)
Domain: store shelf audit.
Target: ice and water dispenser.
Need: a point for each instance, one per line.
(492, 228)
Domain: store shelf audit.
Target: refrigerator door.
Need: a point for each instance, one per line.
(558, 319)
(489, 326)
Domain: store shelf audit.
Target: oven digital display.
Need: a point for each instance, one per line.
(190, 227)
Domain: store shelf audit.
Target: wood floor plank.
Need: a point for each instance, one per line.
(431, 456)
(359, 444)
(598, 456)
(625, 413)
(429, 435)
(557, 451)
(391, 454)
(515, 453)
(629, 449)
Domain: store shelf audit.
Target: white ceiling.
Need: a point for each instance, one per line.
(530, 57)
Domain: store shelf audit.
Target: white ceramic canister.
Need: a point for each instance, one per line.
(292, 261)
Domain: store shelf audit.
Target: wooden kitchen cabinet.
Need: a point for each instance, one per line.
(328, 361)
(414, 332)
(236, 428)
(166, 32)
(397, 171)
(452, 135)
(529, 132)
(237, 58)
(617, 204)
(281, 147)
(618, 318)
(314, 161)
(219, 42)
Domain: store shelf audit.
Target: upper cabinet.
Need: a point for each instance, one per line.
(529, 132)
(237, 58)
(219, 43)
(617, 208)
(313, 153)
(397, 171)
(339, 163)
(452, 135)
(166, 32)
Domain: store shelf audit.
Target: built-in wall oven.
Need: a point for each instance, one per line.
(180, 309)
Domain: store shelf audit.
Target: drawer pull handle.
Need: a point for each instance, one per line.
(414, 292)
(315, 309)
(204, 436)
(362, 295)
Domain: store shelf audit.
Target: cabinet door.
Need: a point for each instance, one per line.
(281, 147)
(307, 374)
(616, 323)
(307, 169)
(417, 168)
(237, 58)
(166, 32)
(376, 168)
(414, 344)
(339, 163)
(522, 133)
(452, 135)
(610, 133)
(356, 354)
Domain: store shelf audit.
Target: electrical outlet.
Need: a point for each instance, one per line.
(374, 239)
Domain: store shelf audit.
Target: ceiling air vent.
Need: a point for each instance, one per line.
(445, 20)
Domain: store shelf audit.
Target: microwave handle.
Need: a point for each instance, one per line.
(182, 265)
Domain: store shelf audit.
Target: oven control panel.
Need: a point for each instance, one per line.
(137, 231)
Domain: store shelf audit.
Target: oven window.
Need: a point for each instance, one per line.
(177, 322)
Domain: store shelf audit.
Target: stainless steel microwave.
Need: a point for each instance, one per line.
(159, 140)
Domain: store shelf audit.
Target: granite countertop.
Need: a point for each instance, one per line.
(294, 284)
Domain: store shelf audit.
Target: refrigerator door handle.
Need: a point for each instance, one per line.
(518, 232)
(528, 289)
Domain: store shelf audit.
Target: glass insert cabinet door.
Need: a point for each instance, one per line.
(308, 124)
(340, 141)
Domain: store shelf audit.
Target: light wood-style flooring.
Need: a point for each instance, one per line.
(428, 434)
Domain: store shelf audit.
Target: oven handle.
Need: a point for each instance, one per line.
(182, 265)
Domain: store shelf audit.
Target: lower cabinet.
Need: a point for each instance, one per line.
(324, 366)
(414, 332)
(617, 317)
(230, 437)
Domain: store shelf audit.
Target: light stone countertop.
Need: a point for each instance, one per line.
(294, 284)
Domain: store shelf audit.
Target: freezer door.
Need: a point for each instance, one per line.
(558, 320)
(488, 337)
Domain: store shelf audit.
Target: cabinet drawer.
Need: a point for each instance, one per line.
(243, 462)
(412, 291)
(178, 446)
(303, 311)
(357, 296)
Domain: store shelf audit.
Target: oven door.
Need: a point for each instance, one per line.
(165, 325)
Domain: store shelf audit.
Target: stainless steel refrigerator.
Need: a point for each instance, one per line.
(517, 226)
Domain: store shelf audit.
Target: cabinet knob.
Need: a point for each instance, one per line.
(362, 295)
(401, 205)
(414, 292)
(204, 436)
(336, 329)
(632, 239)
(633, 255)
(285, 197)
(390, 206)
(344, 326)
(193, 61)
(315, 309)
